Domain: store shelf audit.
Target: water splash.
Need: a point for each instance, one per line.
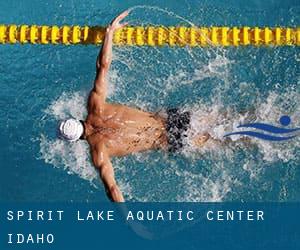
(214, 84)
(74, 158)
(192, 185)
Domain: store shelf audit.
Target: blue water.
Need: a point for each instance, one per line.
(42, 84)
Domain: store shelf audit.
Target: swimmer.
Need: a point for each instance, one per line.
(114, 130)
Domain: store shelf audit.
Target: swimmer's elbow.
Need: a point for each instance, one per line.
(99, 163)
(105, 63)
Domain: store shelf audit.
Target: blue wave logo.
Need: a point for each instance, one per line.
(279, 133)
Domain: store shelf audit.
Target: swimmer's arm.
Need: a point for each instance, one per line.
(105, 56)
(103, 164)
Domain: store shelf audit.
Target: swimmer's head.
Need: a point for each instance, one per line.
(70, 130)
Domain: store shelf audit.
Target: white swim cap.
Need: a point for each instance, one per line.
(70, 130)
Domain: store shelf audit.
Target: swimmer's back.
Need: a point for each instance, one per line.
(126, 130)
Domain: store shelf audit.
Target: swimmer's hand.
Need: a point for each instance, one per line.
(115, 24)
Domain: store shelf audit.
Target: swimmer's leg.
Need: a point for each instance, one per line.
(200, 140)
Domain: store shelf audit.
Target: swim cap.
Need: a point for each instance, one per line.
(70, 129)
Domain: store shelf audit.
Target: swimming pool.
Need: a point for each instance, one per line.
(42, 84)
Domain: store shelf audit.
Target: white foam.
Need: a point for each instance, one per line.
(216, 121)
(72, 157)
(68, 105)
(200, 188)
(271, 110)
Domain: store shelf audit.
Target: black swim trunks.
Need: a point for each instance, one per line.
(177, 125)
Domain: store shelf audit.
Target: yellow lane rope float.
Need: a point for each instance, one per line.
(152, 36)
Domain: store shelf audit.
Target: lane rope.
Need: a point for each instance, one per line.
(152, 35)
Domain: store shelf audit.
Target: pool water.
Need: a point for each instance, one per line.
(42, 84)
